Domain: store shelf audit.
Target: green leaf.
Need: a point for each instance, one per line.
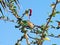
(51, 21)
(57, 12)
(52, 5)
(52, 26)
(1, 11)
(3, 16)
(14, 7)
(24, 23)
(39, 31)
(53, 44)
(12, 20)
(17, 44)
(57, 27)
(17, 26)
(54, 14)
(52, 35)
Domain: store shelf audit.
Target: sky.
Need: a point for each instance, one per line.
(40, 9)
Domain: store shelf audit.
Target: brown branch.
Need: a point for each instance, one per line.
(5, 19)
(39, 41)
(26, 37)
(32, 37)
(51, 15)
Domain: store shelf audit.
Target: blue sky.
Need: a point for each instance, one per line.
(9, 34)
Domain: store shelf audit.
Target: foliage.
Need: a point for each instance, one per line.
(26, 25)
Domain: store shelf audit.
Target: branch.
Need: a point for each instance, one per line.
(7, 19)
(58, 36)
(26, 37)
(50, 17)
